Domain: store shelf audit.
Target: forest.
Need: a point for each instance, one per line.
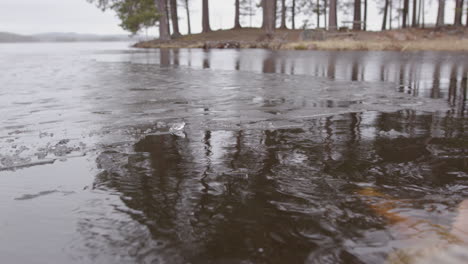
(136, 15)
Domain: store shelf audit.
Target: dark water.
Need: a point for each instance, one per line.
(284, 157)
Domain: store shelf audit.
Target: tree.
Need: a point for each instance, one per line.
(248, 8)
(441, 13)
(357, 15)
(458, 12)
(293, 14)
(275, 7)
(187, 9)
(168, 17)
(405, 13)
(317, 11)
(385, 12)
(415, 9)
(325, 8)
(268, 15)
(133, 14)
(237, 24)
(283, 14)
(332, 17)
(205, 17)
(419, 13)
(390, 20)
(163, 20)
(365, 15)
(175, 19)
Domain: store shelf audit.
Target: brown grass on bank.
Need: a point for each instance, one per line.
(348, 44)
(447, 39)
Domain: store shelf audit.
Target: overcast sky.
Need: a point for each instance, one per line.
(37, 16)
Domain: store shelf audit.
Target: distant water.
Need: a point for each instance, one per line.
(116, 155)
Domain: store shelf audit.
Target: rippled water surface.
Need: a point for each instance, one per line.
(115, 155)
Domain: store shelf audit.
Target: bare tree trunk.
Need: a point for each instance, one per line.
(163, 21)
(325, 13)
(293, 14)
(441, 13)
(269, 16)
(405, 13)
(390, 17)
(175, 19)
(458, 12)
(423, 3)
(283, 14)
(467, 16)
(276, 12)
(384, 21)
(264, 13)
(415, 9)
(237, 24)
(205, 17)
(357, 15)
(365, 15)
(332, 22)
(168, 17)
(187, 9)
(399, 8)
(419, 12)
(318, 13)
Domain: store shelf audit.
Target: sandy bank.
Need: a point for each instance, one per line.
(445, 39)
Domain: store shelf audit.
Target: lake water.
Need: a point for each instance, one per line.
(116, 155)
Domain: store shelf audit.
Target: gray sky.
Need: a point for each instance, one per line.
(37, 16)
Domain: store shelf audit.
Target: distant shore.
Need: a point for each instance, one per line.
(445, 39)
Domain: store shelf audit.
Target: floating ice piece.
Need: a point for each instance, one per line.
(177, 127)
(392, 134)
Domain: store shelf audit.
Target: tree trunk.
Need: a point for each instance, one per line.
(415, 9)
(423, 24)
(293, 14)
(175, 19)
(318, 13)
(419, 12)
(332, 22)
(365, 15)
(357, 15)
(187, 9)
(269, 15)
(405, 13)
(390, 14)
(458, 12)
(237, 24)
(399, 8)
(168, 17)
(325, 13)
(205, 17)
(283, 14)
(264, 14)
(276, 13)
(163, 21)
(441, 13)
(384, 21)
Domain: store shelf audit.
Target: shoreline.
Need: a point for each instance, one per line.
(445, 39)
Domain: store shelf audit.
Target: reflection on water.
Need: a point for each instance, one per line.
(429, 74)
(331, 157)
(292, 194)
